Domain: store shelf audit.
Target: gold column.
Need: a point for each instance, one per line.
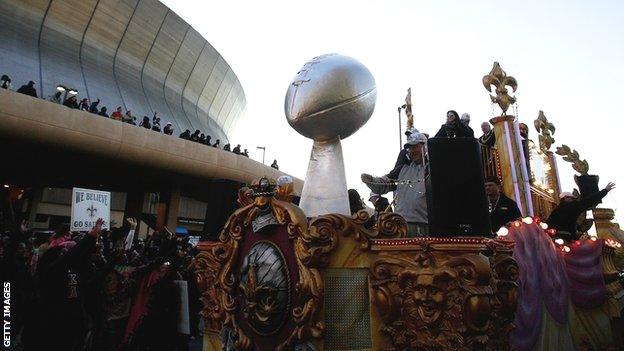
(515, 178)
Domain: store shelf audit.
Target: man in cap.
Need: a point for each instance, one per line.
(502, 209)
(563, 218)
(409, 187)
(402, 159)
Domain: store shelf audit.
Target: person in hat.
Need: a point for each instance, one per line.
(502, 209)
(563, 217)
(409, 187)
(402, 158)
(28, 89)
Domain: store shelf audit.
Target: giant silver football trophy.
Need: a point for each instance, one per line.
(329, 99)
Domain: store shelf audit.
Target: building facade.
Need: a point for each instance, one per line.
(137, 54)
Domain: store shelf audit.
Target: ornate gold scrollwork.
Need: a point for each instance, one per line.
(215, 267)
(500, 80)
(206, 272)
(389, 225)
(437, 296)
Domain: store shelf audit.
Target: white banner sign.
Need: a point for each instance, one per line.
(87, 206)
(193, 240)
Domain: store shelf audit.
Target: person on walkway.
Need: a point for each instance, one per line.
(28, 89)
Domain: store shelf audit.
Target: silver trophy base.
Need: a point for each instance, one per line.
(325, 187)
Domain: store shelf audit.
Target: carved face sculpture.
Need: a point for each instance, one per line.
(264, 288)
(425, 294)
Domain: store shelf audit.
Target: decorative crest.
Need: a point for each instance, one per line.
(499, 79)
(546, 130)
(573, 157)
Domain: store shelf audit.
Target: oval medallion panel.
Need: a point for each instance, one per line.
(264, 288)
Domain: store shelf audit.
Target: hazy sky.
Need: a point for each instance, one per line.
(568, 58)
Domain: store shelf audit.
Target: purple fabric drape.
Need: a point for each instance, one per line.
(542, 282)
(587, 286)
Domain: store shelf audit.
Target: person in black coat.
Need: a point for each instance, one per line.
(502, 209)
(28, 89)
(563, 218)
(94, 106)
(488, 138)
(103, 112)
(71, 102)
(195, 135)
(146, 123)
(64, 320)
(453, 128)
(186, 135)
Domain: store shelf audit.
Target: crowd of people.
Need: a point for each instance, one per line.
(153, 123)
(101, 290)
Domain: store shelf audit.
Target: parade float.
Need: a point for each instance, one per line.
(314, 277)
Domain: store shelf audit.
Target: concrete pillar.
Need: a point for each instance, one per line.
(168, 208)
(515, 177)
(33, 203)
(134, 206)
(220, 205)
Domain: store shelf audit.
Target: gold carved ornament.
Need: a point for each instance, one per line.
(310, 247)
(546, 130)
(573, 157)
(500, 80)
(313, 243)
(446, 296)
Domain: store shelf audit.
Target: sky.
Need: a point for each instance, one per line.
(566, 55)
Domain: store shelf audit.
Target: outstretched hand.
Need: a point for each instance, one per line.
(97, 228)
(24, 226)
(610, 186)
(366, 178)
(132, 222)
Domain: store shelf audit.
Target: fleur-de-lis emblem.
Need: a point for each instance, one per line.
(499, 79)
(92, 210)
(546, 130)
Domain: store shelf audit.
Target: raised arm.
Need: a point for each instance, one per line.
(378, 185)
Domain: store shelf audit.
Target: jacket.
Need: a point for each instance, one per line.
(505, 211)
(409, 194)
